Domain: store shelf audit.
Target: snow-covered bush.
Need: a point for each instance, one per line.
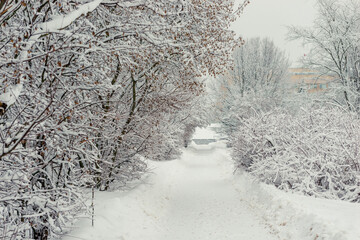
(316, 151)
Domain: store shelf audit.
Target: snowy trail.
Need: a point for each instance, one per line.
(186, 199)
(205, 205)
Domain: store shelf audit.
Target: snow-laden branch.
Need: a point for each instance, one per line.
(11, 95)
(58, 23)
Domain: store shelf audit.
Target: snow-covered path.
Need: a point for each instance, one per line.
(190, 198)
(205, 205)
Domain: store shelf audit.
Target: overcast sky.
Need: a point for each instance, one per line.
(269, 18)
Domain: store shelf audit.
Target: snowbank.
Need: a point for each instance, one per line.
(297, 217)
(130, 213)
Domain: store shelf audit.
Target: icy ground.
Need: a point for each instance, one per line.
(198, 197)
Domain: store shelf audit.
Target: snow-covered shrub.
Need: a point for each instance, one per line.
(315, 152)
(247, 107)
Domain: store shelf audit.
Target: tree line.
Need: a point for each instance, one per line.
(90, 89)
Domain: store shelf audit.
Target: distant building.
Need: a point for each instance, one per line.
(308, 80)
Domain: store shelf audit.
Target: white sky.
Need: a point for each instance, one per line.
(269, 18)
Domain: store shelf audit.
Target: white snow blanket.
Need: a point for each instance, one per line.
(199, 197)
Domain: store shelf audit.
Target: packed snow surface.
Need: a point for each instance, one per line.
(204, 133)
(199, 197)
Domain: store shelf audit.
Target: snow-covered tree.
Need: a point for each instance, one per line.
(90, 88)
(334, 46)
(254, 82)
